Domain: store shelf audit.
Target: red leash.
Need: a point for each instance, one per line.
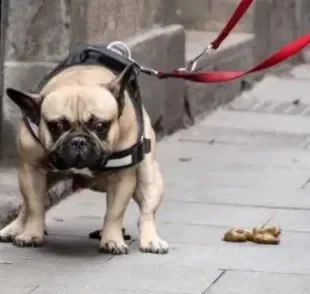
(223, 76)
(234, 19)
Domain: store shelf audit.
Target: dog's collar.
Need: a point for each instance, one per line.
(91, 55)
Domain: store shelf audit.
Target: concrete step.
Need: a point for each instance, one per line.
(207, 14)
(196, 41)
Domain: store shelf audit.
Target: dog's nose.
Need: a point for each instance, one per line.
(78, 143)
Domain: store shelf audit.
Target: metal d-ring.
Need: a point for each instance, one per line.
(120, 48)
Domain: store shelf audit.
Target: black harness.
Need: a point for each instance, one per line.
(101, 55)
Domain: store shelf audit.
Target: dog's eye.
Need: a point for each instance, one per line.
(100, 127)
(58, 127)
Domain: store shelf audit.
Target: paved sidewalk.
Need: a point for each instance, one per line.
(245, 165)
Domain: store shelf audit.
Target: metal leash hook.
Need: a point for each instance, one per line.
(192, 64)
(122, 49)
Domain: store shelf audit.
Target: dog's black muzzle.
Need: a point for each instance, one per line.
(78, 152)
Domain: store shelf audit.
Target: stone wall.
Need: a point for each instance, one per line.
(3, 19)
(37, 36)
(210, 15)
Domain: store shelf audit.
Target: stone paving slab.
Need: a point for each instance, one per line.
(171, 211)
(302, 71)
(285, 94)
(293, 220)
(277, 198)
(256, 157)
(283, 259)
(246, 176)
(146, 278)
(280, 88)
(44, 290)
(245, 256)
(230, 136)
(239, 282)
(177, 212)
(210, 214)
(257, 122)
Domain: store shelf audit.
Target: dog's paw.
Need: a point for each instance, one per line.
(155, 245)
(113, 247)
(29, 240)
(8, 233)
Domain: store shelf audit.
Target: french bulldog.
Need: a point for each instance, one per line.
(84, 114)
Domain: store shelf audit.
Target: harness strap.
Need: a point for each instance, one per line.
(129, 157)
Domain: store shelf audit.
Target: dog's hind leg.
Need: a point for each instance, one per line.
(149, 195)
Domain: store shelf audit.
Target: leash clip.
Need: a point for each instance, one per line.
(147, 70)
(192, 64)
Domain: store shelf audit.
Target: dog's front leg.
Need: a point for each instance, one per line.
(149, 196)
(120, 189)
(32, 187)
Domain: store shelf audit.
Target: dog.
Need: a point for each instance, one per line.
(84, 114)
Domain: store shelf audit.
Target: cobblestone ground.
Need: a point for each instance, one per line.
(245, 165)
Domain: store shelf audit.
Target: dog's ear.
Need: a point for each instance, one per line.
(118, 85)
(29, 103)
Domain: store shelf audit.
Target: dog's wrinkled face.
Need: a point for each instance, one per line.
(78, 124)
(82, 127)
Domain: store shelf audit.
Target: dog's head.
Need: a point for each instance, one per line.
(78, 124)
